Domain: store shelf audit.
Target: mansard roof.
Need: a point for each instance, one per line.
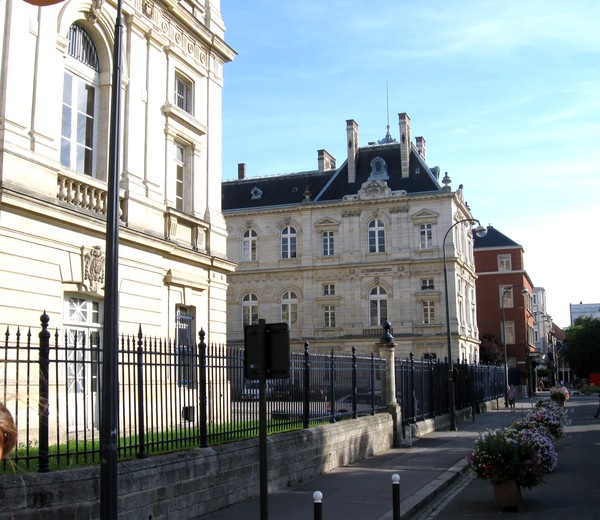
(330, 185)
(493, 239)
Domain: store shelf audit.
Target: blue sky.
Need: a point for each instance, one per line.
(505, 93)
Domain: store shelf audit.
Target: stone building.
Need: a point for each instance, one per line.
(54, 153)
(335, 251)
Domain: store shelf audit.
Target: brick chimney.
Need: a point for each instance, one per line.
(241, 171)
(421, 147)
(404, 143)
(325, 160)
(352, 136)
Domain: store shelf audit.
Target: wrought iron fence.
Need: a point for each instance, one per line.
(422, 386)
(172, 396)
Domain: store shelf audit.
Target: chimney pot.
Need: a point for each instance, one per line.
(241, 171)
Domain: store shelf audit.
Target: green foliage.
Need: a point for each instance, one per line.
(583, 346)
(491, 350)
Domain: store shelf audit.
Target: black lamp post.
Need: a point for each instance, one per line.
(480, 231)
(504, 293)
(109, 418)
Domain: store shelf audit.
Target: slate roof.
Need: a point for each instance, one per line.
(331, 185)
(493, 239)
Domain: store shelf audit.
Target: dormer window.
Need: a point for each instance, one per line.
(256, 194)
(378, 170)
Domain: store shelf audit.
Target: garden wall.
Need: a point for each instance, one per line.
(188, 484)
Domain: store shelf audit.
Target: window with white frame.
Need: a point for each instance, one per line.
(426, 236)
(327, 239)
(329, 316)
(328, 289)
(506, 297)
(376, 236)
(377, 306)
(509, 329)
(504, 263)
(289, 309)
(426, 284)
(187, 351)
(79, 108)
(183, 185)
(249, 309)
(428, 308)
(183, 93)
(288, 242)
(249, 241)
(82, 328)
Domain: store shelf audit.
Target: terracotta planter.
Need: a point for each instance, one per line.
(507, 495)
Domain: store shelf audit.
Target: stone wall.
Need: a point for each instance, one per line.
(192, 483)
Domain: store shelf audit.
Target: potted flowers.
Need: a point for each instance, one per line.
(518, 456)
(559, 394)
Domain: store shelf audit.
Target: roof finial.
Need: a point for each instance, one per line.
(388, 136)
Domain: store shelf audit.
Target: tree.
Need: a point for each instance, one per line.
(491, 350)
(583, 346)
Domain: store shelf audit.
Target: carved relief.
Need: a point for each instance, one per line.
(93, 262)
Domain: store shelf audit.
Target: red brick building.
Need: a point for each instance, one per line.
(504, 302)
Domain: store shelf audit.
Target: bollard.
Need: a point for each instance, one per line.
(396, 495)
(318, 505)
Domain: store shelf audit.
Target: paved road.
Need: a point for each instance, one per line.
(571, 492)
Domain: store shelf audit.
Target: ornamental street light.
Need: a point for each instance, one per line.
(480, 231)
(505, 291)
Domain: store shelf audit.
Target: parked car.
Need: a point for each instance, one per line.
(343, 405)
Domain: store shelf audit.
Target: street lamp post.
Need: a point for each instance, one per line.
(480, 232)
(505, 291)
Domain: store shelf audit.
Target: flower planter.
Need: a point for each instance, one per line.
(507, 495)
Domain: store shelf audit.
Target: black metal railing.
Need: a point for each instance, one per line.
(422, 386)
(174, 396)
(171, 396)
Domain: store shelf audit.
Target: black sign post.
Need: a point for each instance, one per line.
(266, 356)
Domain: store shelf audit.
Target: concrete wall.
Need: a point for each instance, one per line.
(192, 483)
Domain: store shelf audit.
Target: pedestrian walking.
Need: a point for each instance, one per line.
(598, 409)
(512, 397)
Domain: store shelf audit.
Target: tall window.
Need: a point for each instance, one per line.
(289, 309)
(377, 306)
(249, 309)
(506, 297)
(504, 263)
(428, 312)
(509, 326)
(327, 239)
(79, 108)
(82, 325)
(187, 359)
(426, 235)
(376, 236)
(329, 316)
(183, 93)
(249, 239)
(183, 184)
(288, 242)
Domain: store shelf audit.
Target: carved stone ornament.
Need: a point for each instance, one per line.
(374, 190)
(93, 262)
(94, 12)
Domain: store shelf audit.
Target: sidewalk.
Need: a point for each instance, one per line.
(363, 491)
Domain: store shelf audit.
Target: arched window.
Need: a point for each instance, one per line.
(249, 309)
(377, 306)
(376, 236)
(79, 108)
(249, 238)
(288, 242)
(289, 309)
